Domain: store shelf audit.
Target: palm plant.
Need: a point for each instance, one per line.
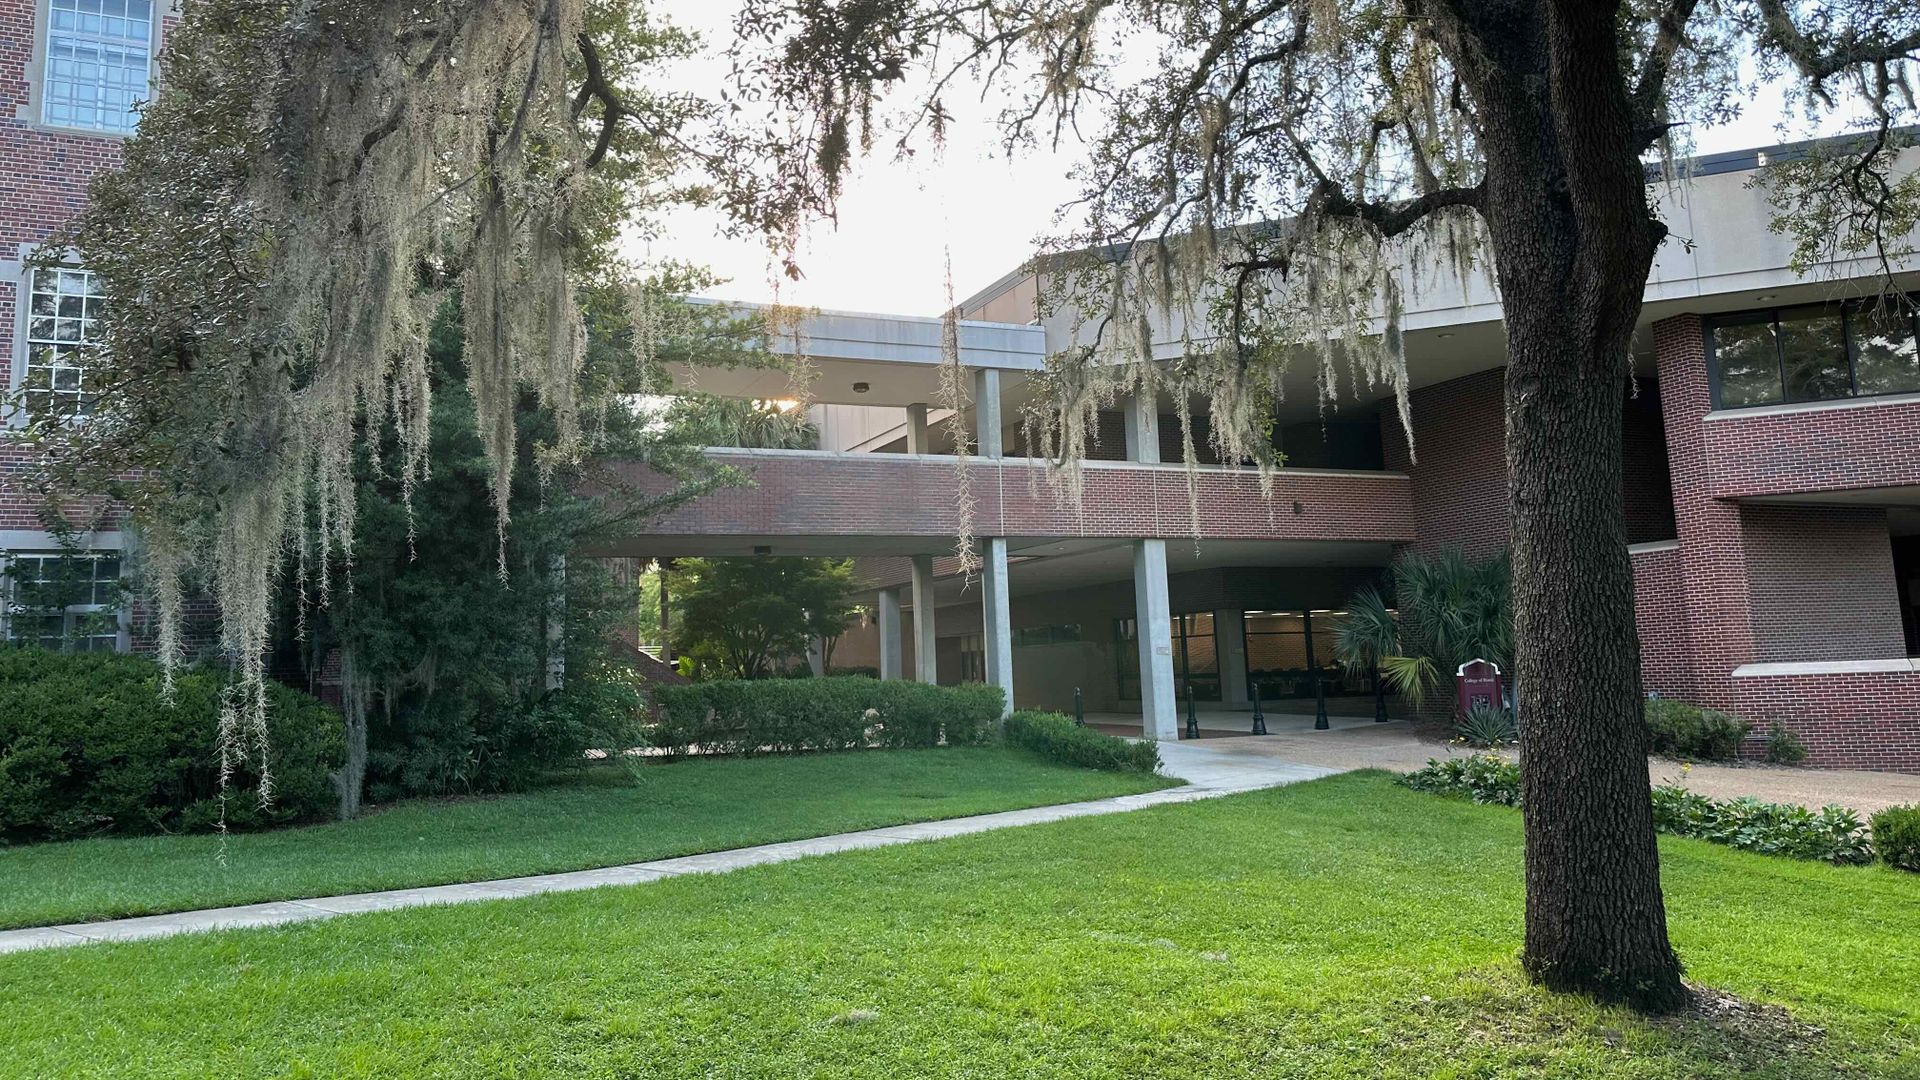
(1447, 609)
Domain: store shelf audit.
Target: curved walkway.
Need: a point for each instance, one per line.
(1210, 772)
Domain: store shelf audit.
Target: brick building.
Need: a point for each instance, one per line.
(1771, 488)
(71, 73)
(1771, 482)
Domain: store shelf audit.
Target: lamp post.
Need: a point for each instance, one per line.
(1379, 698)
(1259, 717)
(1193, 720)
(1079, 712)
(1320, 698)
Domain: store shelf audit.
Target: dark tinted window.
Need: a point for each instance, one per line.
(1813, 354)
(1749, 364)
(1884, 358)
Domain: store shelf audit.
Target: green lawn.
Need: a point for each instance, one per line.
(602, 818)
(1346, 927)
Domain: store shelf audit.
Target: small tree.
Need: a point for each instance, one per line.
(742, 617)
(1447, 609)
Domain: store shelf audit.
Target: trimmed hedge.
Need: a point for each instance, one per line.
(1055, 736)
(1686, 731)
(757, 716)
(88, 748)
(1896, 836)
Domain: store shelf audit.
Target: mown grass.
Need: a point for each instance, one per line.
(600, 817)
(1343, 928)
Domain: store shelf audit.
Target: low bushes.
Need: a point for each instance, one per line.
(1484, 778)
(752, 716)
(1830, 834)
(1686, 731)
(1055, 736)
(1896, 836)
(87, 748)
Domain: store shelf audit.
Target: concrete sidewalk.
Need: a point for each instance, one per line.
(1210, 772)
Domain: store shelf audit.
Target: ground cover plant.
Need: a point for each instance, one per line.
(601, 818)
(1342, 928)
(1831, 834)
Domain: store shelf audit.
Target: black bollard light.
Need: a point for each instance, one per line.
(1079, 711)
(1193, 719)
(1379, 698)
(1259, 717)
(1320, 709)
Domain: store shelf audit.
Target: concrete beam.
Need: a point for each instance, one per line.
(1143, 427)
(997, 622)
(887, 616)
(1153, 624)
(986, 412)
(917, 429)
(926, 666)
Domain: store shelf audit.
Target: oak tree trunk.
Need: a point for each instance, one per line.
(1572, 241)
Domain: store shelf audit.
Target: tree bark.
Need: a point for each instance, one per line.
(1573, 242)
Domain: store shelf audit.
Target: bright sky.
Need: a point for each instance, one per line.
(901, 221)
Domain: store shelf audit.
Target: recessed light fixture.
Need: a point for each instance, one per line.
(861, 388)
(1445, 335)
(1767, 296)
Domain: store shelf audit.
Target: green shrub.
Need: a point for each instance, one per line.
(87, 747)
(1830, 834)
(1487, 726)
(754, 716)
(1896, 836)
(1690, 732)
(1055, 736)
(1784, 747)
(1484, 778)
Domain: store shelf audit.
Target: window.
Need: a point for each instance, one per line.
(99, 53)
(1061, 634)
(63, 600)
(1814, 354)
(62, 315)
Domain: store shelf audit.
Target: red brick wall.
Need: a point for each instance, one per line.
(1820, 584)
(1458, 462)
(1848, 721)
(1460, 477)
(1659, 603)
(1831, 447)
(811, 494)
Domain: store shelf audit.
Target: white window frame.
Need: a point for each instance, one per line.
(30, 543)
(32, 108)
(23, 360)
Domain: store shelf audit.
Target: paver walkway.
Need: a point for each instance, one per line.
(1210, 772)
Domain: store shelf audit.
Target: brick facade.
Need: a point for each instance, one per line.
(1759, 584)
(803, 493)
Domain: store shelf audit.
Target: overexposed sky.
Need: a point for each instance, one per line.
(902, 221)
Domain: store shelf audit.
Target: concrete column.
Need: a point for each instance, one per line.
(887, 616)
(1153, 622)
(986, 412)
(1230, 642)
(1143, 427)
(926, 667)
(917, 429)
(996, 630)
